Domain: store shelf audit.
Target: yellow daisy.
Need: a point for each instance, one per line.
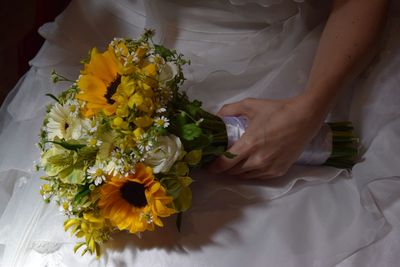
(135, 202)
(98, 83)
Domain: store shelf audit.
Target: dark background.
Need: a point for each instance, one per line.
(19, 22)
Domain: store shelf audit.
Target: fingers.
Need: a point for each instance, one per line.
(241, 151)
(258, 167)
(236, 109)
(254, 162)
(256, 175)
(266, 173)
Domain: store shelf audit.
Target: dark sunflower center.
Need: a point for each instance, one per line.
(134, 194)
(111, 89)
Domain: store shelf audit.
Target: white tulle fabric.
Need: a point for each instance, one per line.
(313, 216)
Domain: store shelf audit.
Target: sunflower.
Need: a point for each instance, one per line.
(135, 202)
(98, 82)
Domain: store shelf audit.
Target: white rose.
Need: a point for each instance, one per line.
(168, 150)
(168, 72)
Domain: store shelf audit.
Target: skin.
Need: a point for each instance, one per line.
(352, 32)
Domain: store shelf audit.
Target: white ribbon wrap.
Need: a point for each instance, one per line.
(317, 151)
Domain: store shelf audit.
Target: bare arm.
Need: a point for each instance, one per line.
(279, 130)
(349, 36)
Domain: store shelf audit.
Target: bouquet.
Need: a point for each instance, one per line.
(119, 144)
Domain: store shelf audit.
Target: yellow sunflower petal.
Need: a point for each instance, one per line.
(150, 70)
(93, 89)
(102, 65)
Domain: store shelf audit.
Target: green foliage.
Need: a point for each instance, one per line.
(56, 160)
(71, 145)
(190, 131)
(178, 188)
(194, 157)
(53, 97)
(72, 175)
(163, 51)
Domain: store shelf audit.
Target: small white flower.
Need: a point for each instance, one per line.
(148, 217)
(99, 180)
(116, 164)
(95, 142)
(97, 173)
(161, 122)
(93, 125)
(113, 168)
(73, 107)
(161, 110)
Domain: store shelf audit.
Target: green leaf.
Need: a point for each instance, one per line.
(72, 175)
(229, 155)
(194, 157)
(87, 153)
(193, 108)
(61, 159)
(191, 131)
(163, 51)
(200, 142)
(180, 169)
(57, 163)
(184, 201)
(68, 145)
(178, 188)
(53, 97)
(84, 192)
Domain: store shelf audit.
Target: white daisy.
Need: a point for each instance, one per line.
(113, 168)
(116, 164)
(93, 126)
(161, 122)
(99, 180)
(97, 173)
(161, 110)
(95, 142)
(73, 107)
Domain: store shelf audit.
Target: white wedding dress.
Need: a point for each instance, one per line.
(313, 216)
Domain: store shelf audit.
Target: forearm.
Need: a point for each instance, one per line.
(349, 36)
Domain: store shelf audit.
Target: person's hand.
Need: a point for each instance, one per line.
(277, 132)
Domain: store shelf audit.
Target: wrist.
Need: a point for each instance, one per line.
(314, 105)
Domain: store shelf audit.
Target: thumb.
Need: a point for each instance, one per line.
(235, 109)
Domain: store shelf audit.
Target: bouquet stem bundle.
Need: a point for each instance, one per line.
(344, 145)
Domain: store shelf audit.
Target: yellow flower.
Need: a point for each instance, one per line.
(93, 228)
(98, 83)
(142, 102)
(135, 202)
(150, 70)
(143, 122)
(141, 51)
(128, 85)
(137, 133)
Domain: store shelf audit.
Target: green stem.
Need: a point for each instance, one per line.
(344, 145)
